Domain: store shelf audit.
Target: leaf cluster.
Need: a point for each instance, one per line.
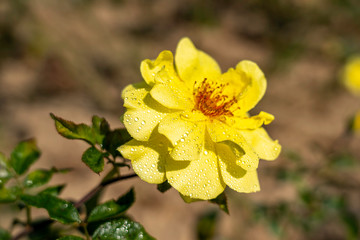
(88, 218)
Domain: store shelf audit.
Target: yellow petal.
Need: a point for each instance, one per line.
(186, 137)
(244, 153)
(143, 113)
(129, 88)
(172, 92)
(263, 145)
(237, 80)
(250, 122)
(148, 158)
(233, 175)
(149, 68)
(255, 88)
(197, 179)
(194, 65)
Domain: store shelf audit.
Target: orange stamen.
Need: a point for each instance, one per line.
(210, 99)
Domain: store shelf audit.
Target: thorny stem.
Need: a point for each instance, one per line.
(101, 186)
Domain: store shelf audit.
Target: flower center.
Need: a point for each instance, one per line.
(210, 99)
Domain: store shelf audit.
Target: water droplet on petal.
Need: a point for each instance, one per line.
(143, 122)
(136, 119)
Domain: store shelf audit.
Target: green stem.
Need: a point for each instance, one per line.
(86, 231)
(28, 215)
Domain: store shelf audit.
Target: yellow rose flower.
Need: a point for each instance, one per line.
(351, 75)
(191, 126)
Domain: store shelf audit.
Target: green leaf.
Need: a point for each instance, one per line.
(58, 209)
(111, 208)
(54, 191)
(127, 199)
(38, 178)
(43, 228)
(352, 224)
(24, 154)
(221, 201)
(94, 159)
(70, 237)
(70, 130)
(105, 211)
(163, 187)
(8, 195)
(5, 174)
(92, 202)
(115, 139)
(188, 199)
(122, 228)
(4, 235)
(206, 225)
(100, 125)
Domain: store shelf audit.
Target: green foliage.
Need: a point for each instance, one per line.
(58, 209)
(38, 177)
(4, 235)
(8, 195)
(114, 139)
(103, 140)
(5, 174)
(70, 238)
(221, 201)
(54, 190)
(70, 130)
(122, 228)
(206, 225)
(24, 154)
(44, 228)
(94, 159)
(105, 221)
(163, 187)
(111, 209)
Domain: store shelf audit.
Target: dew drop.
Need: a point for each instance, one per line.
(143, 122)
(153, 165)
(136, 119)
(206, 152)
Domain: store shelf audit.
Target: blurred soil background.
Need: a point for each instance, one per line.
(73, 58)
